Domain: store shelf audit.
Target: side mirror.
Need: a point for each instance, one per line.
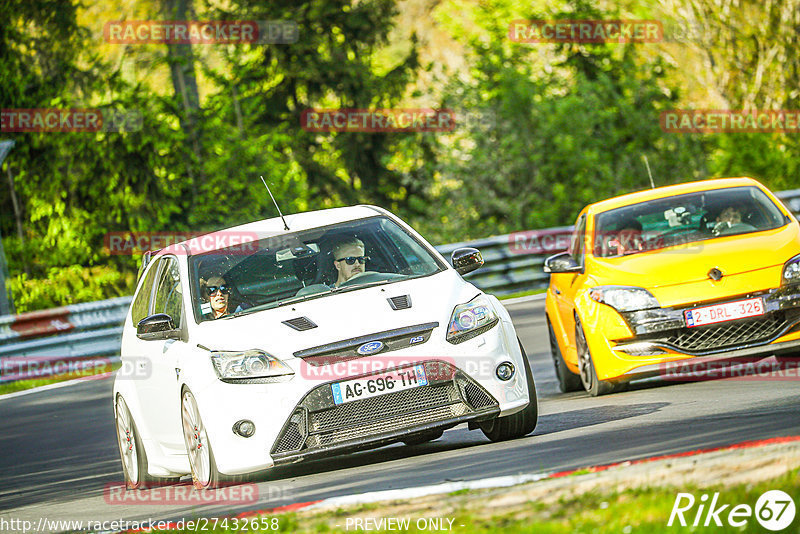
(157, 327)
(561, 263)
(467, 259)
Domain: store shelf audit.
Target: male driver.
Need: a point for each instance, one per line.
(349, 259)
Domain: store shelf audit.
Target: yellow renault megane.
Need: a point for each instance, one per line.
(705, 270)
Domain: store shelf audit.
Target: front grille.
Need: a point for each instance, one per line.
(300, 323)
(705, 338)
(342, 351)
(319, 422)
(439, 413)
(420, 398)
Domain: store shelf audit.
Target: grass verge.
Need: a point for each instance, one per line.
(640, 510)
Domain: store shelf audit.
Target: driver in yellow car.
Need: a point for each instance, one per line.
(349, 259)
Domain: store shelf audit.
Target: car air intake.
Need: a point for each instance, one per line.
(300, 323)
(402, 302)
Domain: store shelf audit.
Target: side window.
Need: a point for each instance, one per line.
(169, 293)
(141, 302)
(577, 248)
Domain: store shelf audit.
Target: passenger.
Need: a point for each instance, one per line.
(216, 292)
(349, 259)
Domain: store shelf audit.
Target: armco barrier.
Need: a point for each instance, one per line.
(513, 263)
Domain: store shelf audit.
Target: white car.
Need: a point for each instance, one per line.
(301, 364)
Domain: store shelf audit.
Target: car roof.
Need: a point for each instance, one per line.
(668, 191)
(274, 226)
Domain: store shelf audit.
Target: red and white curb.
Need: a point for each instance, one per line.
(486, 483)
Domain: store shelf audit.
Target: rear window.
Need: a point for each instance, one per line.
(682, 219)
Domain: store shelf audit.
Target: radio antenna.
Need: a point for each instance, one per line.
(286, 226)
(647, 164)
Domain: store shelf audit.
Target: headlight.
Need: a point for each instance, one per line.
(248, 364)
(624, 298)
(791, 271)
(471, 319)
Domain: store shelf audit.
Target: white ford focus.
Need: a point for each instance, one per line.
(262, 345)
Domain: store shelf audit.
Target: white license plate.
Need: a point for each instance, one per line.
(719, 313)
(364, 388)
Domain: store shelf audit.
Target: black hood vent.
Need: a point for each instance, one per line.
(400, 303)
(300, 323)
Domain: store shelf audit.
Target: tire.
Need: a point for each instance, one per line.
(131, 451)
(423, 437)
(588, 376)
(205, 474)
(567, 380)
(517, 424)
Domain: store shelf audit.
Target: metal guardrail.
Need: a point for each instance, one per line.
(513, 263)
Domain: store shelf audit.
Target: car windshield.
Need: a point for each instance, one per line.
(279, 270)
(683, 219)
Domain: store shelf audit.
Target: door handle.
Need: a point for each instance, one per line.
(558, 291)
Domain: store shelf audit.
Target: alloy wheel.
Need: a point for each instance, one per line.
(194, 434)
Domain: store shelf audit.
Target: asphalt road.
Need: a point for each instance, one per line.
(58, 448)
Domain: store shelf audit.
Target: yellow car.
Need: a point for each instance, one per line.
(705, 270)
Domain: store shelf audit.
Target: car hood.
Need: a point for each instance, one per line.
(340, 316)
(691, 263)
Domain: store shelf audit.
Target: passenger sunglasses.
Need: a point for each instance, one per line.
(351, 260)
(225, 290)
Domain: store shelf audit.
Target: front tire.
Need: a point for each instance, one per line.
(201, 458)
(567, 380)
(517, 424)
(588, 375)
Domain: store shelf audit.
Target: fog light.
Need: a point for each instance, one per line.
(244, 428)
(505, 371)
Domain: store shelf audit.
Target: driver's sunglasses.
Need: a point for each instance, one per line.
(351, 260)
(225, 290)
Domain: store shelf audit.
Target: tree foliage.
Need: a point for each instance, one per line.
(542, 129)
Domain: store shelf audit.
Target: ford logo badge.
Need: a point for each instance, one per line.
(370, 348)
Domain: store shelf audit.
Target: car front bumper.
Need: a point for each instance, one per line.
(297, 420)
(661, 335)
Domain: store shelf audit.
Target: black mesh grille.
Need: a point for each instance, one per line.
(389, 424)
(384, 405)
(476, 396)
(300, 323)
(728, 335)
(293, 435)
(400, 303)
(449, 394)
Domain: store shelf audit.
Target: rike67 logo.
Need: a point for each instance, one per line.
(774, 510)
